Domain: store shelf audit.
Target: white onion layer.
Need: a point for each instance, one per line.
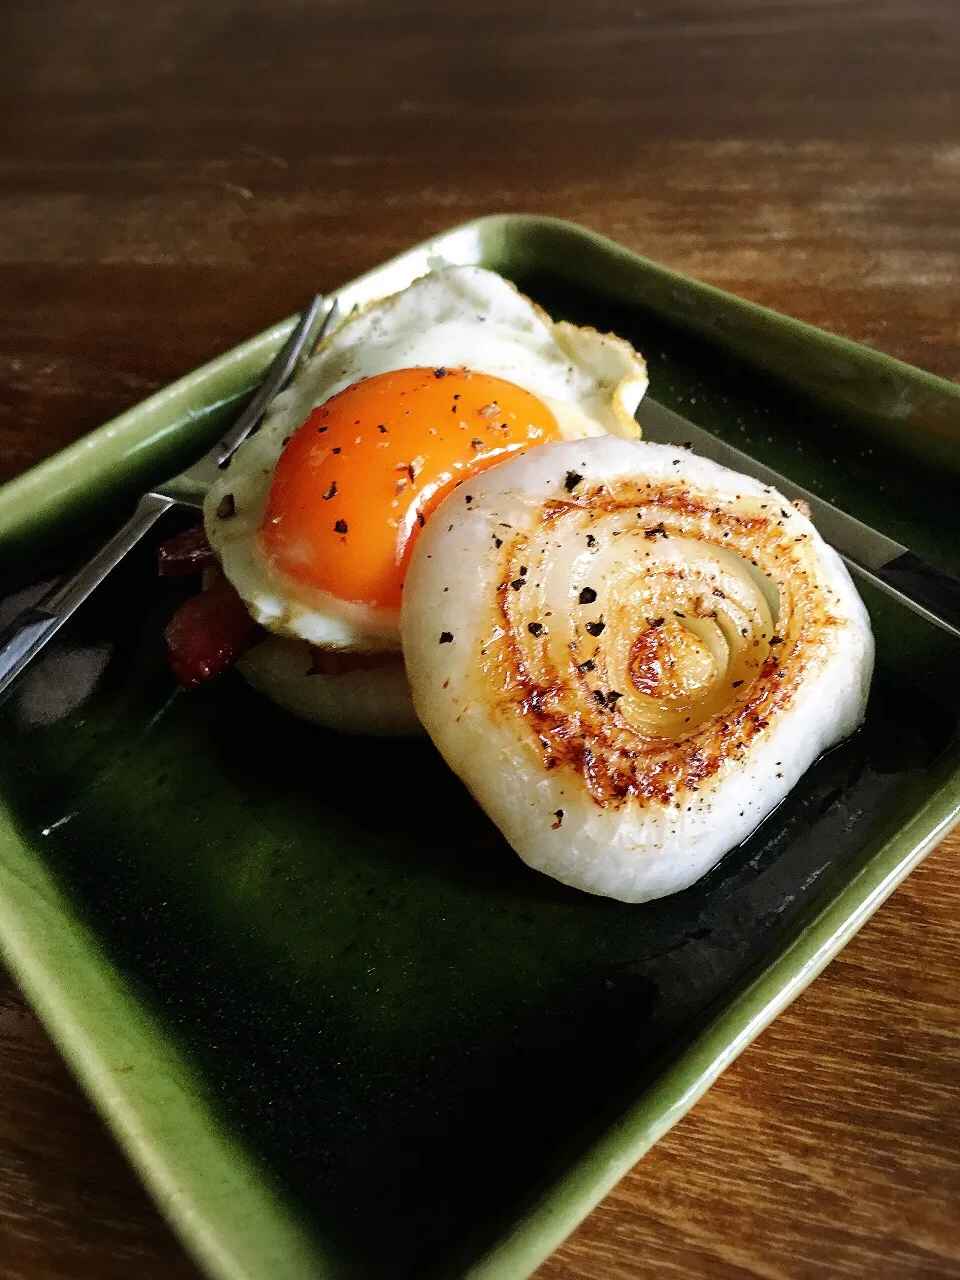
(373, 701)
(630, 655)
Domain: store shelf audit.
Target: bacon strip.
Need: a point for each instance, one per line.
(185, 553)
(208, 633)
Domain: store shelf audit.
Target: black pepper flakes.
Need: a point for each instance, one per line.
(331, 492)
(591, 540)
(446, 637)
(497, 542)
(535, 628)
(558, 814)
(226, 507)
(340, 526)
(589, 665)
(737, 684)
(656, 531)
(573, 478)
(381, 428)
(587, 595)
(321, 430)
(440, 373)
(595, 628)
(517, 583)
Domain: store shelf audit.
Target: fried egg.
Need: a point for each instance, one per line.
(315, 520)
(630, 655)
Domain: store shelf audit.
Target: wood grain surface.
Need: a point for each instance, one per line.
(173, 177)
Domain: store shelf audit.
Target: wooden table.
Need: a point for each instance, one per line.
(175, 176)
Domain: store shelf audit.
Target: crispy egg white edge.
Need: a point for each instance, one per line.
(632, 853)
(323, 619)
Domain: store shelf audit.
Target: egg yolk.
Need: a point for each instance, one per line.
(355, 484)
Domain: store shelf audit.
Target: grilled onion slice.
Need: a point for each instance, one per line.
(630, 655)
(369, 695)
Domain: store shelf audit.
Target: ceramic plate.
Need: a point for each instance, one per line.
(337, 1026)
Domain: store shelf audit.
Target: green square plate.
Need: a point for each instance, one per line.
(338, 1027)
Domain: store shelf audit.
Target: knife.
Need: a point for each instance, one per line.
(932, 593)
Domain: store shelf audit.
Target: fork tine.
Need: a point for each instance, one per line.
(278, 375)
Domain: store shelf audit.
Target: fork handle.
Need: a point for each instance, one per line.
(22, 640)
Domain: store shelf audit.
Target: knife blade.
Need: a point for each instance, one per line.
(931, 592)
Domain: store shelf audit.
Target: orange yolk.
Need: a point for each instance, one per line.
(355, 484)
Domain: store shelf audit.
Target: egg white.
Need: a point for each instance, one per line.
(457, 316)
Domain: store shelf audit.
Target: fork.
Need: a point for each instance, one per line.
(26, 635)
